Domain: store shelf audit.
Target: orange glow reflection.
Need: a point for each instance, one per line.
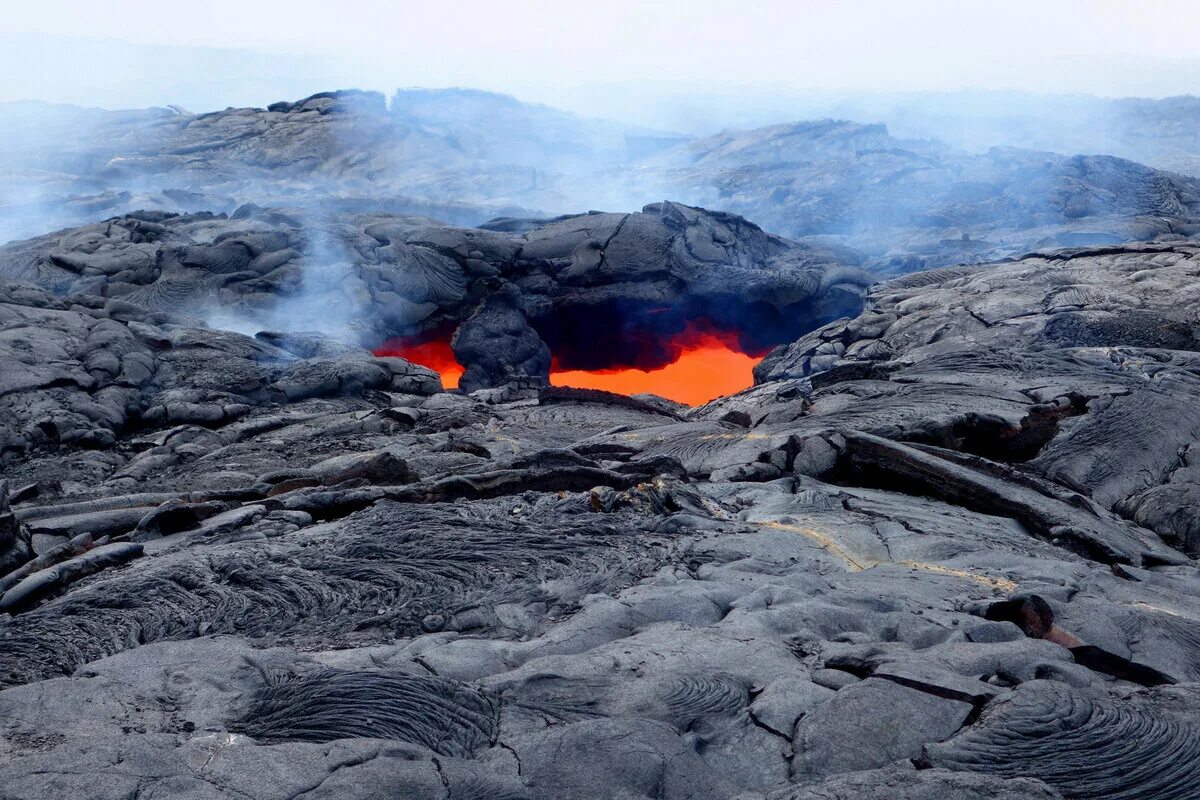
(435, 354)
(707, 366)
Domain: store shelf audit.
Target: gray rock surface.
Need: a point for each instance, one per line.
(941, 549)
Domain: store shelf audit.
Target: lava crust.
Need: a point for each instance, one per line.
(943, 548)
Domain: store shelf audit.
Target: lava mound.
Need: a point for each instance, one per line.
(594, 293)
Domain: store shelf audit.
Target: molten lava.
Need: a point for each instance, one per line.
(433, 353)
(706, 365)
(692, 365)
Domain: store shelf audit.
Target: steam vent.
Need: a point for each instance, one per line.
(333, 470)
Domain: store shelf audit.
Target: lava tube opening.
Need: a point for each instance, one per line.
(431, 349)
(703, 365)
(669, 351)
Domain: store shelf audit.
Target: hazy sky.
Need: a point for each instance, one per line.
(547, 49)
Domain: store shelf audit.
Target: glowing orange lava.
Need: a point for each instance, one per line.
(707, 366)
(704, 365)
(435, 354)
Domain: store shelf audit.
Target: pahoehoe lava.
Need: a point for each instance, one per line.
(942, 548)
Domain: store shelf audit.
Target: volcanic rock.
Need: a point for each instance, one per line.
(601, 290)
(917, 559)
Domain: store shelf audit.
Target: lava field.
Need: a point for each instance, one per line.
(343, 502)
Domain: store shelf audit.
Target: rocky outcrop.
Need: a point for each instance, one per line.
(593, 286)
(80, 372)
(1096, 349)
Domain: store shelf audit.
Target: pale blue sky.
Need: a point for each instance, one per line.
(547, 50)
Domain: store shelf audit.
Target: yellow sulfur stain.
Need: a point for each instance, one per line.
(856, 565)
(748, 437)
(1159, 610)
(859, 563)
(513, 444)
(999, 584)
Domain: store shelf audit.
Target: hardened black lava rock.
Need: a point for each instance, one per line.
(943, 549)
(594, 288)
